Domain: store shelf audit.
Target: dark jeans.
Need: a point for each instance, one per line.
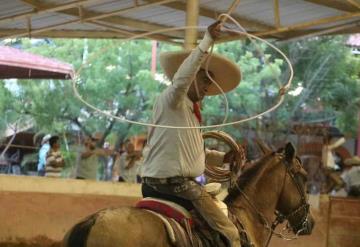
(41, 173)
(354, 191)
(148, 191)
(190, 193)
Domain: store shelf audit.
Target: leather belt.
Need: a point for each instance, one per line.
(170, 180)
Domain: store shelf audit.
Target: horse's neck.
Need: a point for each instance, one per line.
(262, 193)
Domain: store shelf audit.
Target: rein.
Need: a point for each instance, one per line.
(279, 216)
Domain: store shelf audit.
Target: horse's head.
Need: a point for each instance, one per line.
(293, 204)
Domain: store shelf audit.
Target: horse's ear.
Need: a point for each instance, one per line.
(262, 146)
(290, 152)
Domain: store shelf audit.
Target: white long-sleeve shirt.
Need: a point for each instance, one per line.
(327, 155)
(178, 152)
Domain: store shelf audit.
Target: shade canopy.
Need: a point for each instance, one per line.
(15, 63)
(277, 19)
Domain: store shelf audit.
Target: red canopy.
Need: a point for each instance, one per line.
(15, 63)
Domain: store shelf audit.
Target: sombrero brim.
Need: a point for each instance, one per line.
(227, 74)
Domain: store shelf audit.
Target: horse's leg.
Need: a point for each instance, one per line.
(127, 227)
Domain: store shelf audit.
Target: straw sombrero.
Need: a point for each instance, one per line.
(226, 72)
(45, 139)
(354, 161)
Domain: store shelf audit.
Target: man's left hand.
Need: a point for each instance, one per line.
(229, 157)
(214, 30)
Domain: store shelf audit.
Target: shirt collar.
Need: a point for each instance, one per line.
(189, 103)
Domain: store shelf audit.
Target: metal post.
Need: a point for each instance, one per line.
(358, 138)
(153, 57)
(192, 19)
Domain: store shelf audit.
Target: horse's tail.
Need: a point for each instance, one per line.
(78, 235)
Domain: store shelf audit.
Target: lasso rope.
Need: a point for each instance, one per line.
(281, 93)
(219, 174)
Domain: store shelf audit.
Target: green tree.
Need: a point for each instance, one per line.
(115, 77)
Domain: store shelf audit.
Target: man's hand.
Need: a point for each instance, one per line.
(232, 156)
(229, 157)
(214, 30)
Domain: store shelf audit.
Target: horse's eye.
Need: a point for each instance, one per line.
(303, 175)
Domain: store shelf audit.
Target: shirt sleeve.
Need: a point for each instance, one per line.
(55, 159)
(42, 156)
(214, 158)
(337, 143)
(186, 73)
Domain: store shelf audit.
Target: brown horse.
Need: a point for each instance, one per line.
(276, 183)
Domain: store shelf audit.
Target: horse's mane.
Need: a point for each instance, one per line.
(248, 175)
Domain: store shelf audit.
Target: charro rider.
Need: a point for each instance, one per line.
(177, 156)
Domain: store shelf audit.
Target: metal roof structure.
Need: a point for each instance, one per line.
(275, 19)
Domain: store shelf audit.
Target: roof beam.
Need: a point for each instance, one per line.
(65, 34)
(158, 37)
(106, 34)
(355, 3)
(310, 24)
(38, 11)
(26, 32)
(318, 32)
(247, 23)
(124, 33)
(335, 4)
(304, 27)
(10, 33)
(192, 19)
(277, 13)
(117, 20)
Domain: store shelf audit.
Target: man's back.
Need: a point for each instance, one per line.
(174, 152)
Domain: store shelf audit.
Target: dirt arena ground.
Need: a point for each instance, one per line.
(37, 212)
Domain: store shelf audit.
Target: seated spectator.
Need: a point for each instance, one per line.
(351, 176)
(54, 160)
(328, 158)
(15, 162)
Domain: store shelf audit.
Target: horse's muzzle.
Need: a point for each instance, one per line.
(307, 226)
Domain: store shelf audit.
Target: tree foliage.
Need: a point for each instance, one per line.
(115, 77)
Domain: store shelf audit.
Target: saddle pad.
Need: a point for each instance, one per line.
(167, 208)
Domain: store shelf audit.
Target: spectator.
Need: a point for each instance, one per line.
(129, 163)
(54, 160)
(45, 147)
(328, 158)
(15, 162)
(107, 163)
(351, 176)
(88, 158)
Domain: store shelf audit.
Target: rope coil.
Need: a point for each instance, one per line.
(220, 174)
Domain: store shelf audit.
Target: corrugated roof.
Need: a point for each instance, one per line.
(114, 18)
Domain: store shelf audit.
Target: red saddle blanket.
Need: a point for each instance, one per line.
(166, 208)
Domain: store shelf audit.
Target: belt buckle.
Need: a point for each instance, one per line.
(162, 180)
(177, 180)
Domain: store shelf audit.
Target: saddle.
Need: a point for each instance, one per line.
(185, 228)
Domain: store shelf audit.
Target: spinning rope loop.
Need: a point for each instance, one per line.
(281, 93)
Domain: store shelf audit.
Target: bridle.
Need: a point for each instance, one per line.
(298, 226)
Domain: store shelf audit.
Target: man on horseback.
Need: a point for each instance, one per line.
(177, 156)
